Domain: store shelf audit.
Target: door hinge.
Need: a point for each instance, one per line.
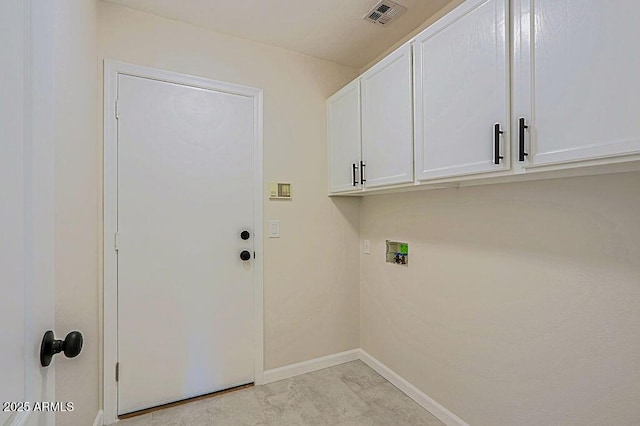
(117, 371)
(117, 103)
(116, 241)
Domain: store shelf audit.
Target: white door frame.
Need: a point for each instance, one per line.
(110, 346)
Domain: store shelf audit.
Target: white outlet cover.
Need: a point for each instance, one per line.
(366, 247)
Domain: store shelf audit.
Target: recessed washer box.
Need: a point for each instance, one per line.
(398, 253)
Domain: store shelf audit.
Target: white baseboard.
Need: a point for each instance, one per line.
(304, 367)
(426, 402)
(99, 419)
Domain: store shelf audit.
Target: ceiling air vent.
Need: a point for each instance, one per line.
(384, 12)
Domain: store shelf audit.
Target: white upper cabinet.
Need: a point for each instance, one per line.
(576, 75)
(461, 72)
(494, 88)
(387, 125)
(344, 141)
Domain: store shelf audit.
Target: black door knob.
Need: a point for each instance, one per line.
(245, 255)
(245, 235)
(71, 346)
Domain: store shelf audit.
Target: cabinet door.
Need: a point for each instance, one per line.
(461, 91)
(576, 69)
(387, 129)
(344, 139)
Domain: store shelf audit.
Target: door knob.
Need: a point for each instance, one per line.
(245, 255)
(71, 346)
(245, 235)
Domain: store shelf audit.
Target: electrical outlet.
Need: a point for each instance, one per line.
(366, 247)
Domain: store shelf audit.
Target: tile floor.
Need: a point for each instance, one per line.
(350, 394)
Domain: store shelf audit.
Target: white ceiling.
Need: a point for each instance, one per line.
(328, 29)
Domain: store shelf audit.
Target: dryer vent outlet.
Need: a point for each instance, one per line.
(384, 12)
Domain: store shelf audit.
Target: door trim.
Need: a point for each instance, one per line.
(110, 295)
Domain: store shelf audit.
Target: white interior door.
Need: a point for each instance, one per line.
(461, 74)
(185, 194)
(576, 68)
(26, 211)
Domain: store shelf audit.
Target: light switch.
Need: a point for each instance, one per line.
(274, 229)
(366, 247)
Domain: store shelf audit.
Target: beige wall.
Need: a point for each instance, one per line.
(76, 204)
(311, 272)
(519, 306)
(520, 302)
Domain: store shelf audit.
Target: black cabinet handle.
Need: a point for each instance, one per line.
(362, 166)
(245, 255)
(522, 125)
(71, 346)
(354, 167)
(496, 143)
(245, 235)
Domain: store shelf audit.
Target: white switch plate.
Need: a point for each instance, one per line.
(366, 247)
(274, 229)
